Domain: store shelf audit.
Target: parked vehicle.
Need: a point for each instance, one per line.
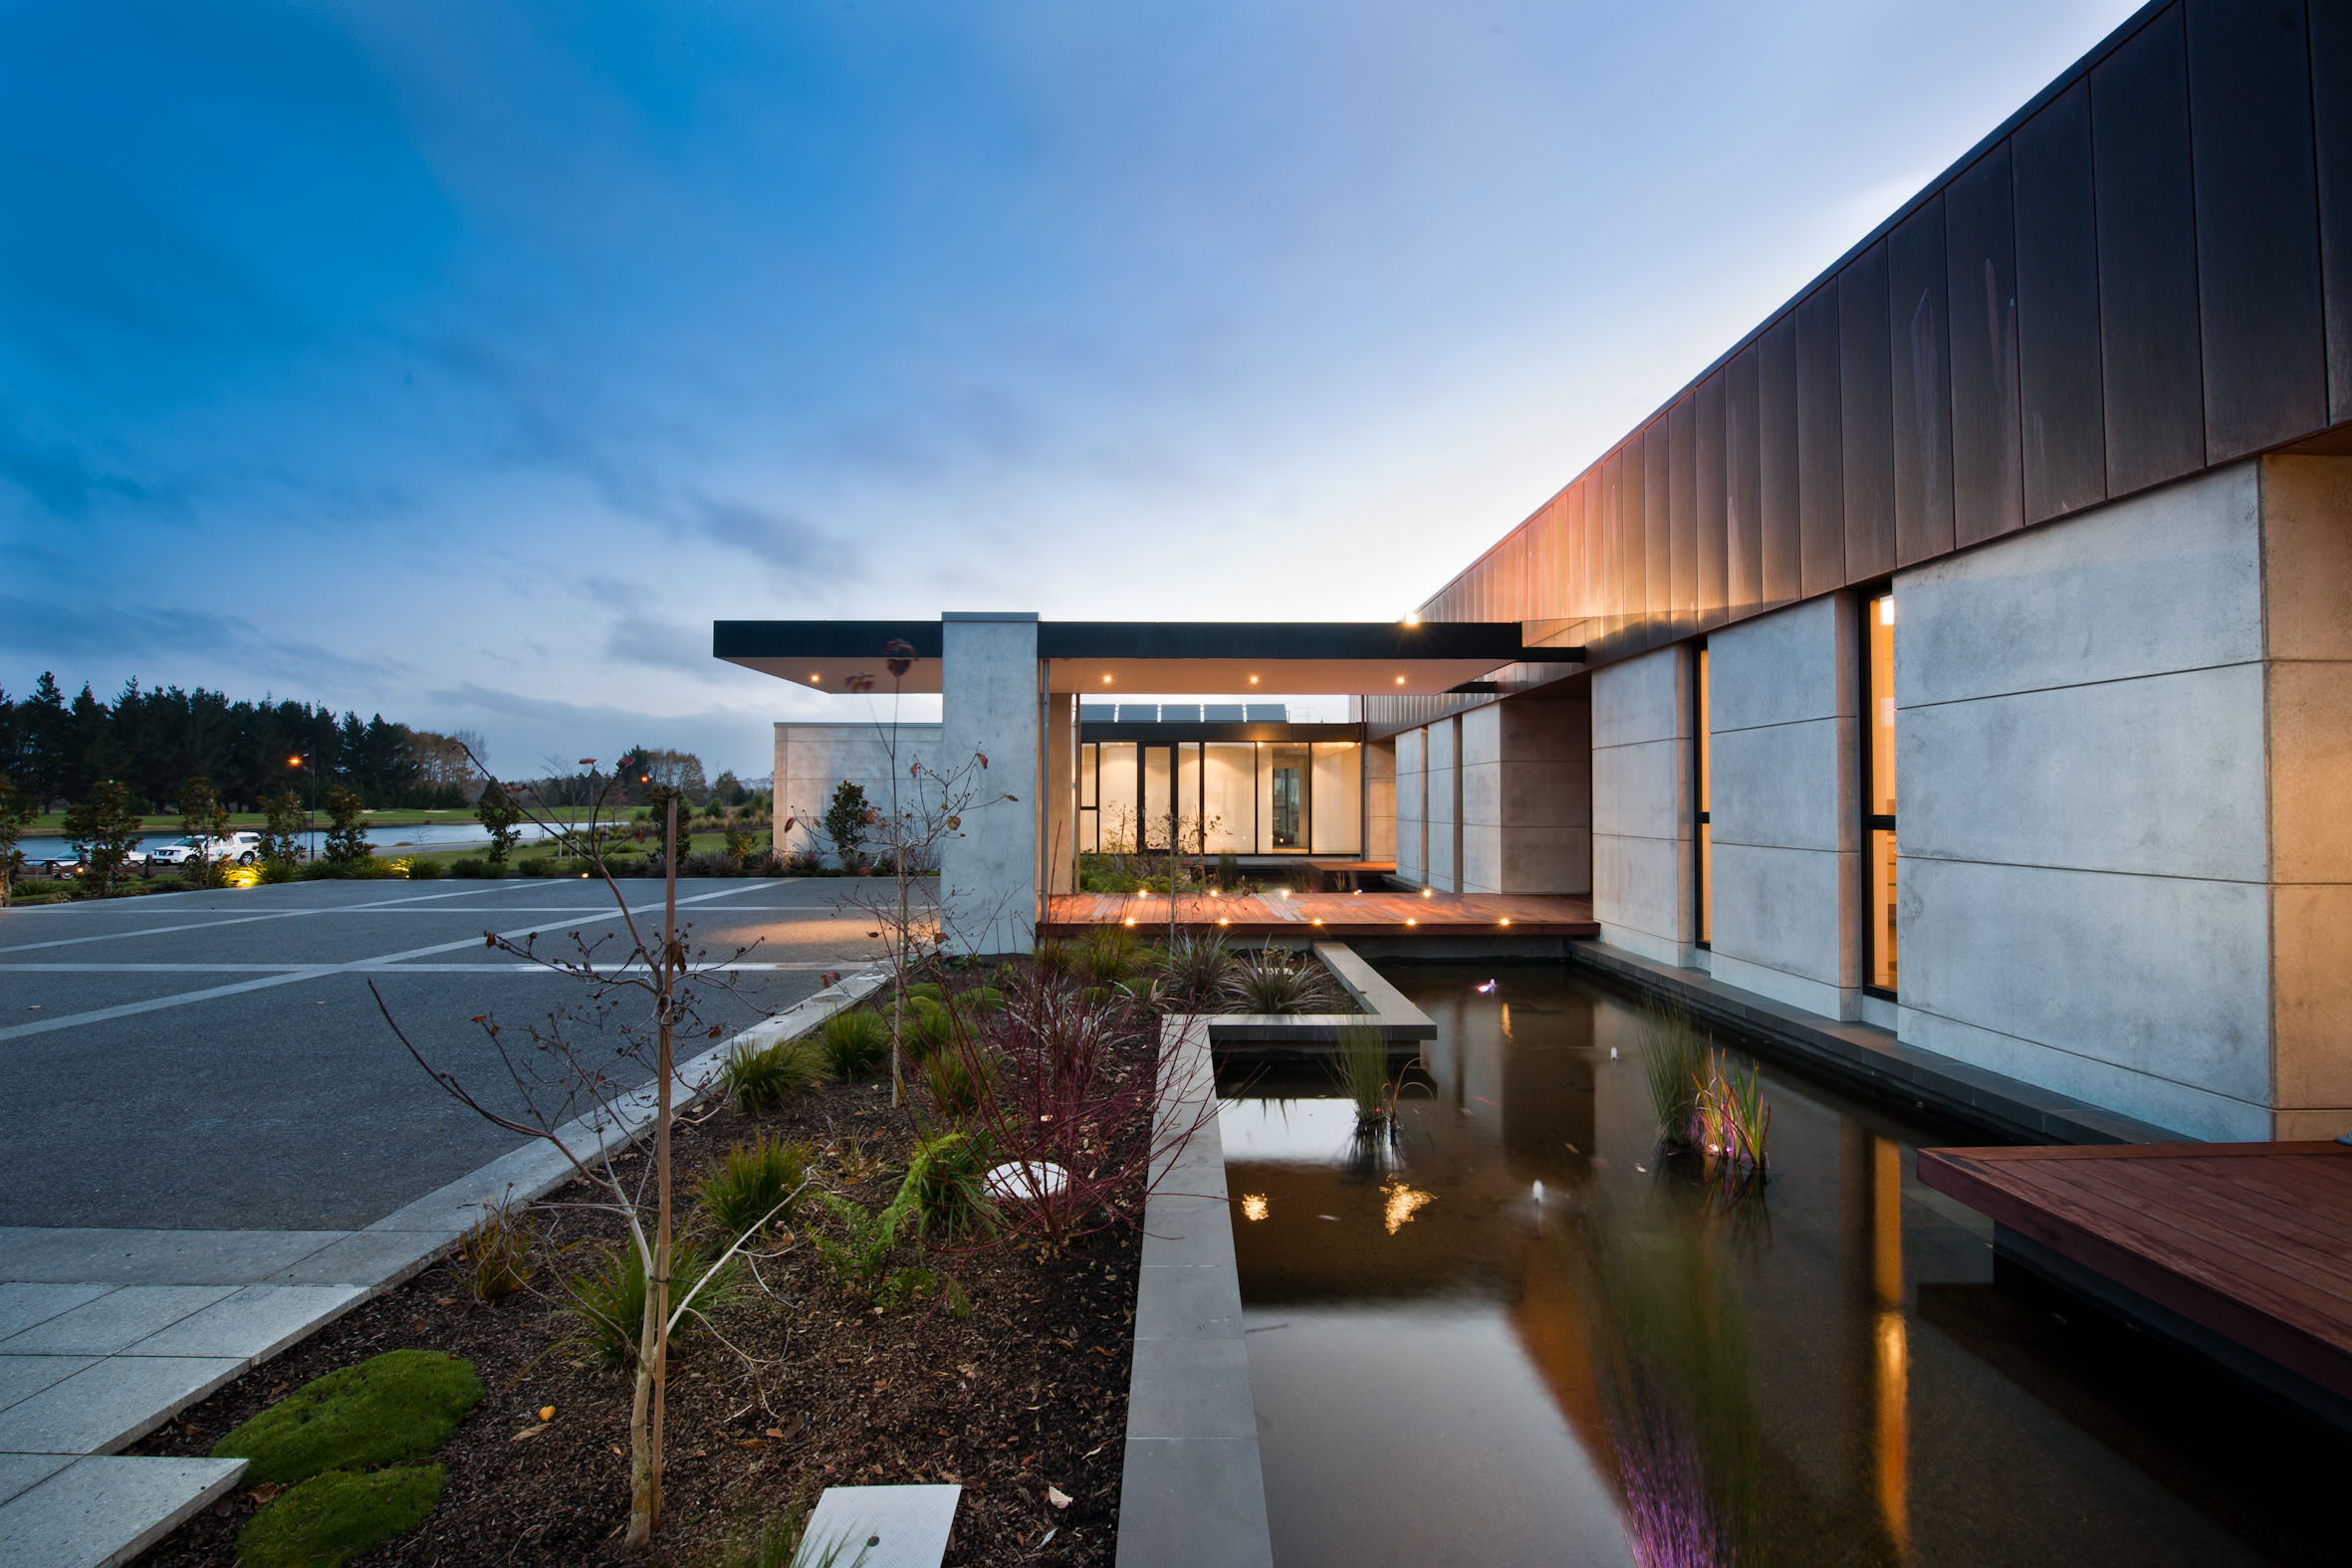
(241, 849)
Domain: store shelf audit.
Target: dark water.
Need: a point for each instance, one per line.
(1473, 1347)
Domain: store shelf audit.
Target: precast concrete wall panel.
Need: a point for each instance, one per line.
(2148, 332)
(2258, 225)
(2063, 425)
(1777, 436)
(1866, 400)
(1920, 335)
(1775, 928)
(2148, 994)
(1443, 803)
(1482, 799)
(2331, 127)
(1710, 493)
(1981, 245)
(1820, 448)
(1641, 866)
(1411, 784)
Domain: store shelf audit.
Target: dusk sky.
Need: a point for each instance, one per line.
(465, 362)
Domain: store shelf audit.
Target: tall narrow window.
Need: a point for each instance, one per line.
(1701, 770)
(1878, 822)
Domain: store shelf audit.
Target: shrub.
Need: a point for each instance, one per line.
(470, 866)
(764, 1077)
(711, 863)
(331, 1518)
(1055, 959)
(1194, 970)
(948, 1075)
(854, 1042)
(755, 1186)
(949, 1179)
(422, 870)
(402, 1405)
(537, 865)
(499, 1254)
(275, 871)
(924, 1027)
(928, 990)
(608, 1297)
(1274, 981)
(1107, 955)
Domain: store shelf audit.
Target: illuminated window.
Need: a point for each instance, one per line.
(1878, 777)
(1701, 773)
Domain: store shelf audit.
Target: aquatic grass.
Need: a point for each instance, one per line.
(1731, 1115)
(1674, 1059)
(1362, 1065)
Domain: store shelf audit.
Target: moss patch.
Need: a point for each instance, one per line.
(331, 1518)
(402, 1405)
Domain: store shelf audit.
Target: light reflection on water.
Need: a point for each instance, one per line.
(1463, 1375)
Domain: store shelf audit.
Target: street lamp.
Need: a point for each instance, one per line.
(310, 822)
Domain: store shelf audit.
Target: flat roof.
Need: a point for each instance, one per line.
(1118, 659)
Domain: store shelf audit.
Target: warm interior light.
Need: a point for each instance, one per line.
(1106, 680)
(1400, 680)
(1886, 610)
(1252, 679)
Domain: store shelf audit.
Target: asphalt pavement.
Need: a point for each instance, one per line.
(216, 1061)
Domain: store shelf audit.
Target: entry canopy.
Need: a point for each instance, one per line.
(1140, 659)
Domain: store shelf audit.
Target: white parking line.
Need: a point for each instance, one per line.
(262, 983)
(243, 919)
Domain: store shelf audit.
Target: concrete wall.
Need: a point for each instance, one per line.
(2083, 810)
(1641, 805)
(812, 759)
(1412, 784)
(1443, 843)
(1783, 706)
(1381, 799)
(1526, 796)
(988, 883)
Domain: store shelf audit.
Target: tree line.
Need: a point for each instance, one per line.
(154, 741)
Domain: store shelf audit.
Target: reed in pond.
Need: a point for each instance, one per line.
(1674, 1059)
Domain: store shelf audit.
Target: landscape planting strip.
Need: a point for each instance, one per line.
(169, 1341)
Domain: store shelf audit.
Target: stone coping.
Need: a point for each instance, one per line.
(1865, 1055)
(1192, 1495)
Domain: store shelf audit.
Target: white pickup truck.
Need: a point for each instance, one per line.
(241, 849)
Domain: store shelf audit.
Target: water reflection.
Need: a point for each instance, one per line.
(1521, 1336)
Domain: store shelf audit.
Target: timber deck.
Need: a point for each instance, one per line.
(2249, 1241)
(1329, 917)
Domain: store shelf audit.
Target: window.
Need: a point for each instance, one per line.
(1702, 868)
(1878, 790)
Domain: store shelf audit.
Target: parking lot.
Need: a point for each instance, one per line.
(217, 1060)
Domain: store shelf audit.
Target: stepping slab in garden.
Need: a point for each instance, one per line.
(908, 1526)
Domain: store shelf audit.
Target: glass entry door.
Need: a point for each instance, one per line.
(1159, 795)
(1286, 804)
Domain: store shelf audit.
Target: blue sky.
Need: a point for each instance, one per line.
(464, 361)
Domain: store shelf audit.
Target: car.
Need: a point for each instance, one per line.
(242, 849)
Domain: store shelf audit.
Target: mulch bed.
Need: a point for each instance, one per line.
(1028, 1392)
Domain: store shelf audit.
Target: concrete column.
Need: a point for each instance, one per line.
(2308, 575)
(1412, 786)
(1641, 805)
(1381, 799)
(988, 880)
(1785, 698)
(1527, 794)
(1058, 846)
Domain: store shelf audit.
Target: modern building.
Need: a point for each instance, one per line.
(1963, 657)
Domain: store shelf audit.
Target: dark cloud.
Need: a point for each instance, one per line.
(71, 630)
(661, 644)
(65, 481)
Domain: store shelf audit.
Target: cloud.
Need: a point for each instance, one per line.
(663, 644)
(70, 628)
(63, 481)
(529, 729)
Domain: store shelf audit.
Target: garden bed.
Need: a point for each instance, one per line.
(1022, 1401)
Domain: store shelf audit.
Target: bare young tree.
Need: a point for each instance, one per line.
(637, 987)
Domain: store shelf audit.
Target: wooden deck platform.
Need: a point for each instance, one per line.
(1333, 917)
(2251, 1243)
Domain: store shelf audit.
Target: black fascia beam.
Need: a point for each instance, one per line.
(1380, 641)
(822, 639)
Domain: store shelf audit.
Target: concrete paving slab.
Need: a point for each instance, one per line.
(23, 1471)
(375, 1259)
(23, 1305)
(110, 1403)
(1197, 1302)
(84, 1255)
(254, 1322)
(22, 1377)
(115, 1322)
(1194, 1504)
(1182, 1230)
(98, 1512)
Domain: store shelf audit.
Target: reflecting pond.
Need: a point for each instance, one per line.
(1515, 1334)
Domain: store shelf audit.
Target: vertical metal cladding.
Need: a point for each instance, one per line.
(1682, 510)
(2061, 403)
(1743, 481)
(1821, 446)
(2257, 226)
(1612, 528)
(1979, 240)
(1919, 328)
(1634, 524)
(1710, 487)
(1657, 532)
(1775, 409)
(2331, 127)
(2148, 332)
(1866, 410)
